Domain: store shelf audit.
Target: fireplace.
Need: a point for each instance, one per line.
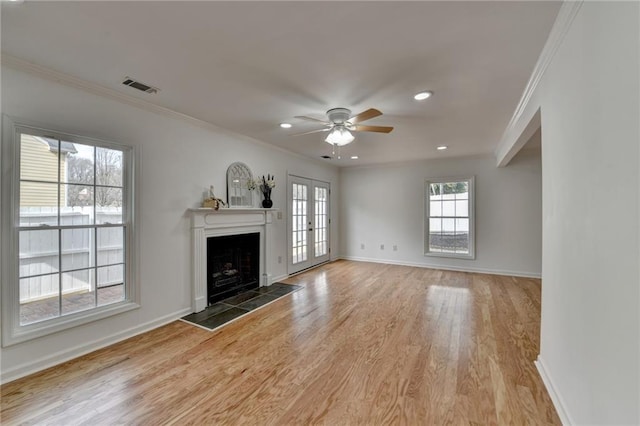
(232, 265)
(208, 224)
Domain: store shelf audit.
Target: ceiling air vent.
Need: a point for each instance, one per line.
(128, 81)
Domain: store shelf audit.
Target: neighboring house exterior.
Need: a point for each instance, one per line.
(39, 162)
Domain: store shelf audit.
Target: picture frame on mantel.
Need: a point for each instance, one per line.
(239, 195)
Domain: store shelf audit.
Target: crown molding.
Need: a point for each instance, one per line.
(49, 74)
(566, 14)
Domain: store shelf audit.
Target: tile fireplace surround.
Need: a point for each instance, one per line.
(207, 223)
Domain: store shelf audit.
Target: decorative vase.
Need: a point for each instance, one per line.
(267, 203)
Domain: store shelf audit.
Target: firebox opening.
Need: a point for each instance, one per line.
(232, 265)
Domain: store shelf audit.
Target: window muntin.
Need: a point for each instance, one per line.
(449, 218)
(68, 238)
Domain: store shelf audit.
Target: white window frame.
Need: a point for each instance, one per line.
(12, 331)
(472, 229)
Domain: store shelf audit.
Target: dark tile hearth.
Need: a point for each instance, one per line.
(234, 307)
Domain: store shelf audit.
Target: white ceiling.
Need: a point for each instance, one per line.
(247, 66)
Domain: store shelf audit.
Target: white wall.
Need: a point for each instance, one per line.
(178, 163)
(591, 283)
(385, 205)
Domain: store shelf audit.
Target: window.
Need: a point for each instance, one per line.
(449, 218)
(68, 258)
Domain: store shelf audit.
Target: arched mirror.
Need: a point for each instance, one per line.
(238, 178)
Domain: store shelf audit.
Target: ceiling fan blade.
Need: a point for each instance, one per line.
(379, 129)
(365, 115)
(315, 120)
(313, 131)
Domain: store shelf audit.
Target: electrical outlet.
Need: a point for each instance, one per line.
(381, 246)
(279, 259)
(395, 248)
(361, 246)
(279, 215)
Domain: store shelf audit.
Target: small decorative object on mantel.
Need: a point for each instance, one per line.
(211, 201)
(266, 185)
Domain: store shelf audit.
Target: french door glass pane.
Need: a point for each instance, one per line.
(320, 221)
(299, 211)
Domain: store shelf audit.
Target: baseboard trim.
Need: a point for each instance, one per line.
(446, 267)
(279, 278)
(57, 358)
(557, 400)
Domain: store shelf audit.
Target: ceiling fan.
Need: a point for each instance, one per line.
(341, 124)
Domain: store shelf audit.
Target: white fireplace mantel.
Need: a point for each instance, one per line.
(207, 223)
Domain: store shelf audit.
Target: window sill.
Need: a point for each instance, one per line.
(24, 333)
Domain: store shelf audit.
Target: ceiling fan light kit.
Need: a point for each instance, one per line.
(341, 124)
(339, 136)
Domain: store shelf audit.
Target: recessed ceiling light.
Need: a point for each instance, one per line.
(285, 125)
(423, 95)
(442, 147)
(354, 157)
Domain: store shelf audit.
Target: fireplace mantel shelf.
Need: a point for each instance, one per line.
(230, 210)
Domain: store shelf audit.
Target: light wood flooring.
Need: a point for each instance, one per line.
(361, 343)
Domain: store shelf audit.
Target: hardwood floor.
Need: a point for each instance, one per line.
(361, 343)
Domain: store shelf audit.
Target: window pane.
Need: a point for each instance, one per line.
(448, 208)
(108, 205)
(77, 196)
(448, 226)
(78, 291)
(462, 236)
(462, 226)
(38, 158)
(435, 241)
(108, 167)
(110, 295)
(38, 252)
(462, 190)
(462, 208)
(38, 204)
(462, 244)
(435, 208)
(77, 248)
(110, 276)
(110, 245)
(39, 298)
(78, 163)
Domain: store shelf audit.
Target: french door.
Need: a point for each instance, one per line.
(308, 223)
